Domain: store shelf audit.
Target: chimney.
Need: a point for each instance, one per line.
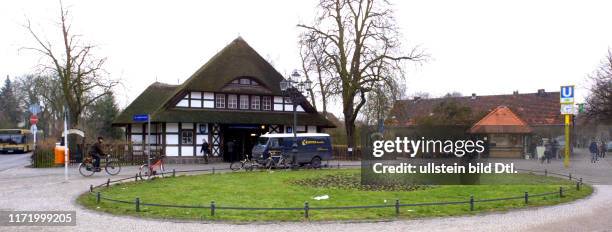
(541, 92)
(515, 93)
(473, 96)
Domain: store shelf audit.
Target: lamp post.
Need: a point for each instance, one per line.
(292, 88)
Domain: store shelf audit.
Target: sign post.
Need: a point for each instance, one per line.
(567, 109)
(65, 145)
(34, 109)
(145, 118)
(33, 128)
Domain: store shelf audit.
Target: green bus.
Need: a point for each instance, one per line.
(16, 141)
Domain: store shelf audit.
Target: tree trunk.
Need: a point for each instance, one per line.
(349, 122)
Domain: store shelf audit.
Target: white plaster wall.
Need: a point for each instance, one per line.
(171, 127)
(172, 139)
(186, 150)
(172, 151)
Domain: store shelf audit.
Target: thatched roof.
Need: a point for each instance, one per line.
(148, 101)
(237, 59)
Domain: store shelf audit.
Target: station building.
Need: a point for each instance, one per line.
(235, 96)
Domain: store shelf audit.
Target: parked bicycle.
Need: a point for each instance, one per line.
(86, 168)
(281, 162)
(157, 167)
(246, 164)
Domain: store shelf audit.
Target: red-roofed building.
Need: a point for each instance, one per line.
(511, 120)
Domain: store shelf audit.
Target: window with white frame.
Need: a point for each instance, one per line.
(255, 102)
(220, 101)
(244, 102)
(266, 103)
(232, 101)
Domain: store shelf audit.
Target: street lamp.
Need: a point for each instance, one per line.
(292, 88)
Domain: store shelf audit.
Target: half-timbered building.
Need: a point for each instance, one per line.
(235, 97)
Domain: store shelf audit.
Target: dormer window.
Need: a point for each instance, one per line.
(244, 81)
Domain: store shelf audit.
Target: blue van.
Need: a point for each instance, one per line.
(312, 148)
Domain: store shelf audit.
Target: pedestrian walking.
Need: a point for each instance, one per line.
(554, 148)
(205, 150)
(594, 150)
(547, 152)
(602, 149)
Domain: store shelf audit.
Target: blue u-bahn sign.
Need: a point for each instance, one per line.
(567, 94)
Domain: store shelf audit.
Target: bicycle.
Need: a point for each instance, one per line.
(246, 164)
(148, 172)
(281, 162)
(86, 168)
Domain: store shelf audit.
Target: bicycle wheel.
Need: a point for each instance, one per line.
(144, 172)
(270, 164)
(86, 169)
(235, 166)
(248, 165)
(112, 168)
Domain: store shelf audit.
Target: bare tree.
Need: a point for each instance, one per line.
(599, 101)
(361, 36)
(315, 65)
(78, 71)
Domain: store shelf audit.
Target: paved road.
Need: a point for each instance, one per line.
(44, 189)
(8, 161)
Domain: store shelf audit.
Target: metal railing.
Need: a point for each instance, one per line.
(470, 202)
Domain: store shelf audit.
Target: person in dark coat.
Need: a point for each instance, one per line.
(96, 152)
(547, 152)
(205, 150)
(594, 151)
(602, 149)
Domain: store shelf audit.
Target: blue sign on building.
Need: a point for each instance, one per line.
(140, 117)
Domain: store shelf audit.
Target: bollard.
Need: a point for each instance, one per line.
(397, 207)
(98, 196)
(137, 202)
(338, 164)
(306, 208)
(108, 182)
(545, 172)
(91, 188)
(173, 173)
(526, 198)
(570, 176)
(577, 186)
(471, 202)
(560, 191)
(136, 177)
(212, 208)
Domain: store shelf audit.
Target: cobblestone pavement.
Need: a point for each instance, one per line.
(45, 189)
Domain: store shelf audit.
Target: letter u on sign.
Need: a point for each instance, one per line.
(567, 94)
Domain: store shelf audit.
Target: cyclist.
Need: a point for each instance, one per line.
(96, 152)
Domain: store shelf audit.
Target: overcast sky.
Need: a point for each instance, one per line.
(483, 47)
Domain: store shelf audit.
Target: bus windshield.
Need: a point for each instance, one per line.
(12, 139)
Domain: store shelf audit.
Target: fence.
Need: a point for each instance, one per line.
(340, 152)
(470, 202)
(120, 152)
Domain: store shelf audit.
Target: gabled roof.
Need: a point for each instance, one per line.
(237, 59)
(536, 109)
(502, 121)
(149, 101)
